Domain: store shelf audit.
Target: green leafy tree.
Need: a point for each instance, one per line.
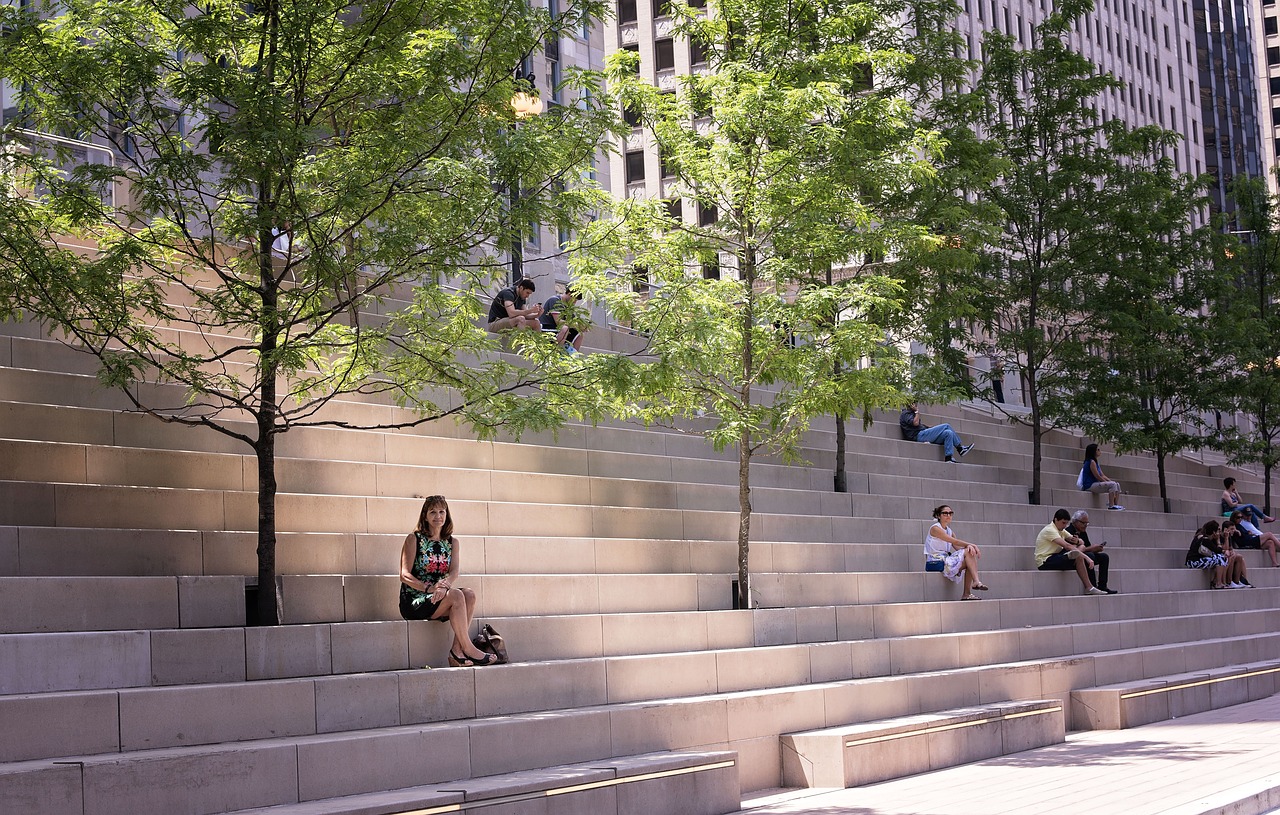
(1159, 353)
(779, 153)
(1248, 306)
(298, 206)
(1018, 264)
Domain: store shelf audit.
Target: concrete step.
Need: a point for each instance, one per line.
(750, 722)
(64, 604)
(868, 752)
(687, 781)
(1156, 699)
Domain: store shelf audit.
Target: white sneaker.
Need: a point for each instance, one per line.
(1116, 506)
(1235, 585)
(1095, 590)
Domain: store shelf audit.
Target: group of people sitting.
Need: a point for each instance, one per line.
(1063, 545)
(510, 310)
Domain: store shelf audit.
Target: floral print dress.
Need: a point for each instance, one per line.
(432, 562)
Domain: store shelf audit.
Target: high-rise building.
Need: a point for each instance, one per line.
(1229, 103)
(1151, 45)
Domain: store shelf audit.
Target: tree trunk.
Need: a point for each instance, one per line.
(1037, 438)
(1266, 487)
(842, 477)
(268, 598)
(744, 519)
(1164, 490)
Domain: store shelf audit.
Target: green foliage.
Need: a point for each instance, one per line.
(375, 139)
(1154, 346)
(796, 138)
(1246, 305)
(1033, 205)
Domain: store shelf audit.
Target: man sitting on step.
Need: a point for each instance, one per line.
(1079, 528)
(1058, 551)
(913, 430)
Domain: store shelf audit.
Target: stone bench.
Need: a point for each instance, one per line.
(697, 783)
(1143, 701)
(867, 752)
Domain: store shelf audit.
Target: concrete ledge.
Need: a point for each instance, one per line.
(1143, 701)
(864, 753)
(692, 782)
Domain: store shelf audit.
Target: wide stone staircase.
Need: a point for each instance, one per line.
(130, 683)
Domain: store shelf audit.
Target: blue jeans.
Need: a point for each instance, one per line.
(1253, 513)
(941, 434)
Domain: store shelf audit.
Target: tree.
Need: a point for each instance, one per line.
(1038, 177)
(1155, 344)
(296, 207)
(780, 152)
(1255, 347)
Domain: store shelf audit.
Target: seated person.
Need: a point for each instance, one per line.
(1231, 502)
(429, 566)
(1058, 551)
(1237, 576)
(913, 430)
(509, 310)
(1093, 479)
(1206, 553)
(960, 557)
(1249, 536)
(557, 316)
(1079, 527)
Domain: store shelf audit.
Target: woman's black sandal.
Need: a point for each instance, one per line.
(465, 661)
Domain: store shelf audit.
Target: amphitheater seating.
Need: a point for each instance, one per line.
(129, 681)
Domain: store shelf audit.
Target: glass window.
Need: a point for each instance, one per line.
(627, 12)
(707, 215)
(1269, 24)
(635, 166)
(664, 54)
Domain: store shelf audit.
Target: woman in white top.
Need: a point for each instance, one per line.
(960, 557)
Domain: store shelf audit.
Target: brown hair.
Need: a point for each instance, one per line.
(432, 501)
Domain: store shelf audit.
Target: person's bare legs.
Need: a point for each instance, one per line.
(1217, 581)
(1269, 543)
(1239, 571)
(968, 581)
(1082, 568)
(1113, 497)
(455, 605)
(971, 567)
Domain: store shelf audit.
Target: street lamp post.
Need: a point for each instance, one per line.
(524, 104)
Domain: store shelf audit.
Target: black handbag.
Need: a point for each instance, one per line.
(935, 565)
(491, 642)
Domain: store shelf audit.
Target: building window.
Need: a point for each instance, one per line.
(707, 215)
(711, 270)
(1273, 56)
(664, 54)
(631, 115)
(627, 12)
(635, 49)
(675, 209)
(635, 166)
(1269, 24)
(699, 53)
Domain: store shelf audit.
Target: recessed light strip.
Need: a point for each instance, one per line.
(956, 726)
(529, 796)
(1184, 685)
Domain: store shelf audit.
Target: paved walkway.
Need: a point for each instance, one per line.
(1222, 761)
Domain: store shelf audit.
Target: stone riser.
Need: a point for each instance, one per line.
(749, 722)
(816, 644)
(83, 391)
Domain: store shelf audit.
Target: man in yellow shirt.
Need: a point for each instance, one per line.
(1058, 551)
